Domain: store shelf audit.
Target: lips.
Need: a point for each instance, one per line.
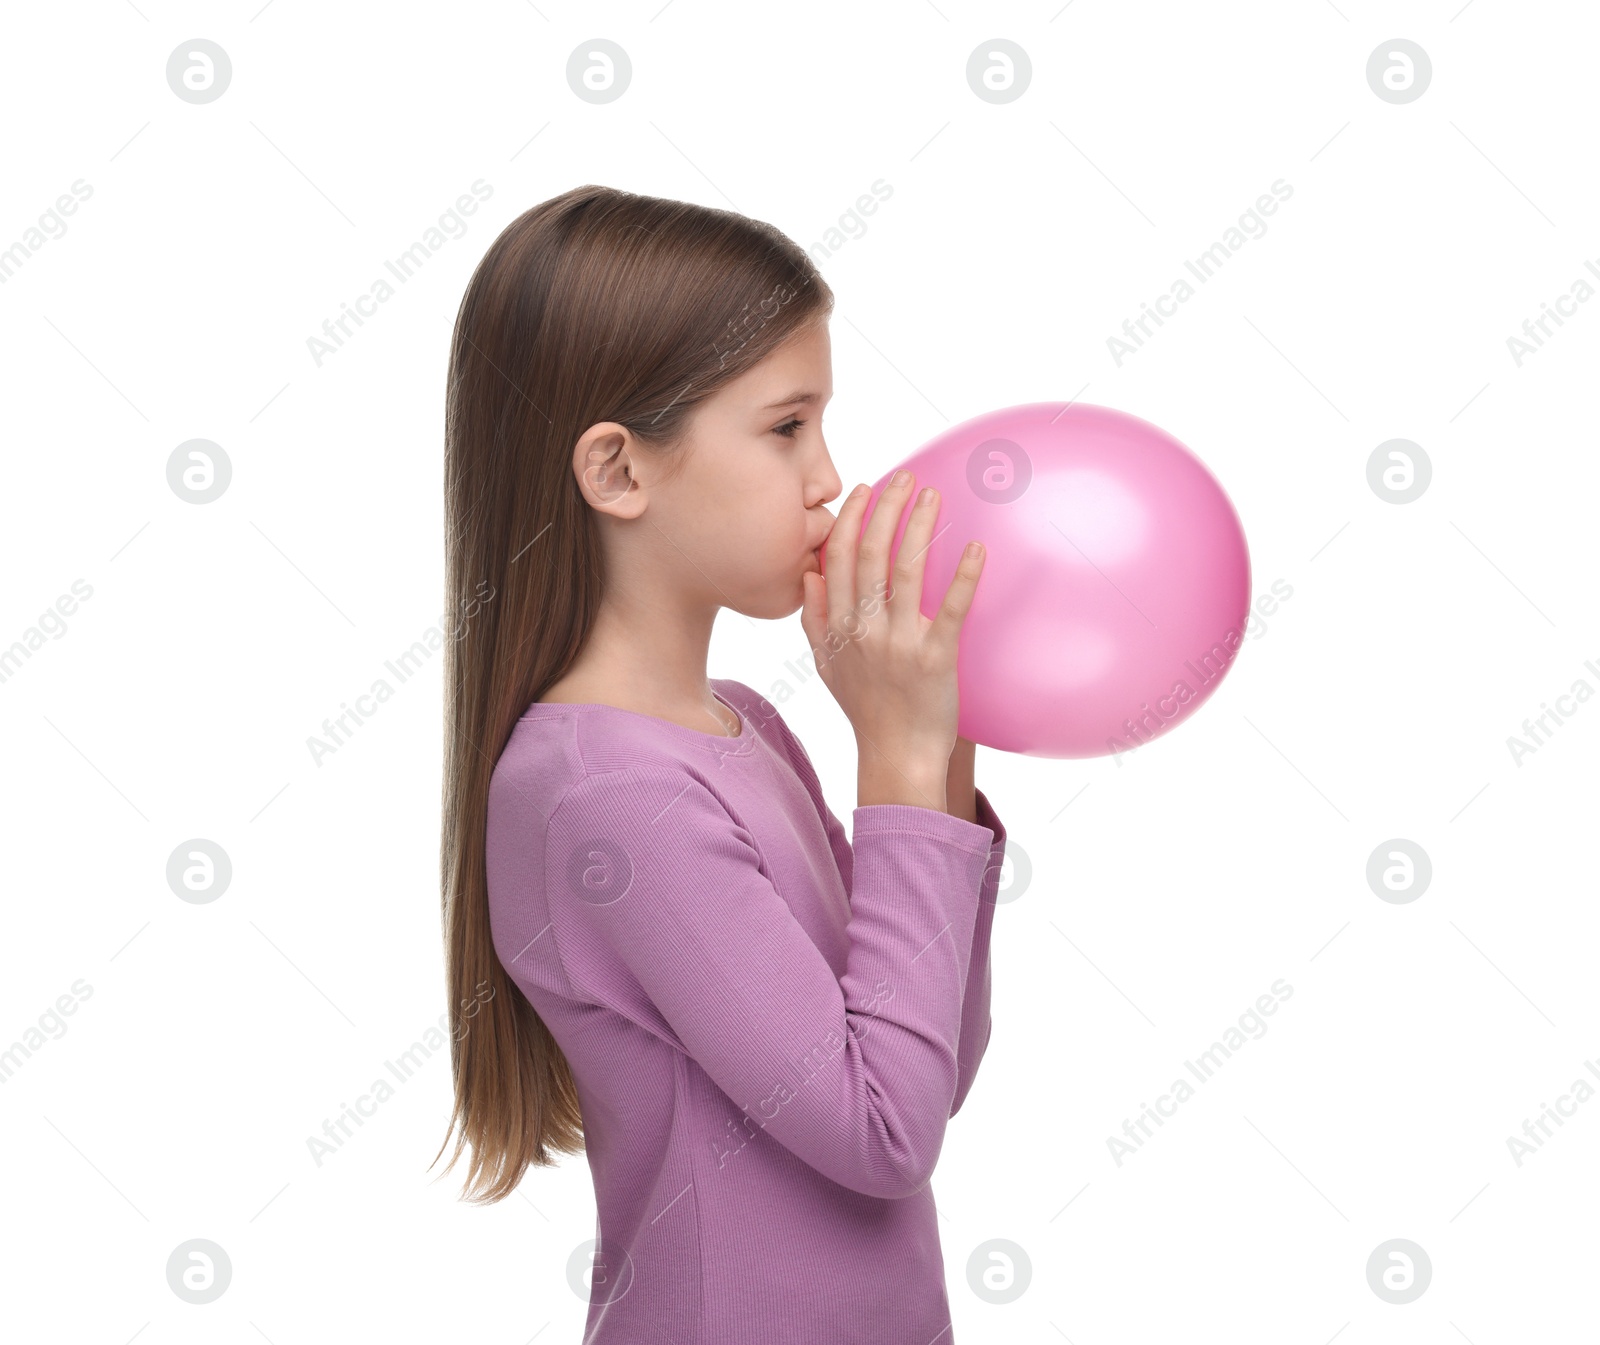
(816, 551)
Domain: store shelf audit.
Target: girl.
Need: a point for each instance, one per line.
(664, 951)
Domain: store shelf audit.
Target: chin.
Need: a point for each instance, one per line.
(771, 605)
(780, 608)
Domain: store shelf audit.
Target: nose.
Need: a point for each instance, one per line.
(832, 484)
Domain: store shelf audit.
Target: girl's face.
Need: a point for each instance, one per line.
(738, 520)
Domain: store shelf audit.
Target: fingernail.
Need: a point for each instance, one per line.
(974, 550)
(859, 491)
(900, 477)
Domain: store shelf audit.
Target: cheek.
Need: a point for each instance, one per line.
(766, 523)
(765, 527)
(750, 516)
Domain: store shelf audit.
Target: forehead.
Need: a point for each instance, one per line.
(798, 373)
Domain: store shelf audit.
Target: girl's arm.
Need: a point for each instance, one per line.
(661, 911)
(961, 794)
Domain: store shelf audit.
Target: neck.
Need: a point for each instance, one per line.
(648, 657)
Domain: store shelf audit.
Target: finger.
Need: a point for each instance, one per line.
(814, 617)
(910, 561)
(872, 565)
(840, 550)
(958, 597)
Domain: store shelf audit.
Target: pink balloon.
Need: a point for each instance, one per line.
(1116, 588)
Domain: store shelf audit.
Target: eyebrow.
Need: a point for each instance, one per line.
(793, 400)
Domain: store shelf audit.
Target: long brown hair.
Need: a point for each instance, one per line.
(596, 305)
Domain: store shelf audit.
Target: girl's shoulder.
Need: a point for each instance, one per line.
(555, 745)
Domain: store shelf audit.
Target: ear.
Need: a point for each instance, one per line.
(605, 462)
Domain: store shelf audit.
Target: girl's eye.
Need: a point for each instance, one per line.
(788, 428)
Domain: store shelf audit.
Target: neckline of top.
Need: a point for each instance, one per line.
(724, 744)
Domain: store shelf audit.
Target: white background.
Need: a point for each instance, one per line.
(1168, 891)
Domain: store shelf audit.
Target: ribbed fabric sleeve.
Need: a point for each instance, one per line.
(976, 1022)
(662, 912)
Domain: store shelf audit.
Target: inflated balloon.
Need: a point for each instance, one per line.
(1116, 585)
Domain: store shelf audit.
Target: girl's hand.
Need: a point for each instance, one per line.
(892, 670)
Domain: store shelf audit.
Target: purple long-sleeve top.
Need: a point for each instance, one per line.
(768, 1030)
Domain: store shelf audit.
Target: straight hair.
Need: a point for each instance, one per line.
(596, 305)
